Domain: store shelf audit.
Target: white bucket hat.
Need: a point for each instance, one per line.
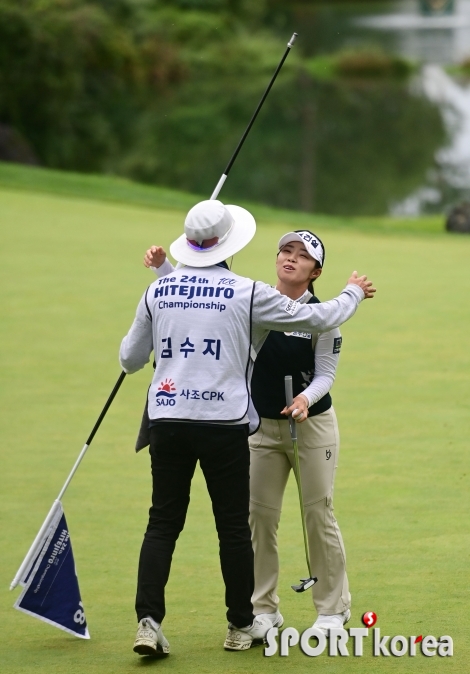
(212, 233)
(312, 243)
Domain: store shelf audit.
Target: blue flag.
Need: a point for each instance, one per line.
(51, 590)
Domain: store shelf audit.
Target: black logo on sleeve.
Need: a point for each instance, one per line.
(337, 344)
(328, 454)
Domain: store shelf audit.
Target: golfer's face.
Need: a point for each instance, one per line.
(294, 264)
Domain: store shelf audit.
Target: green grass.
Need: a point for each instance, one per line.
(120, 190)
(71, 277)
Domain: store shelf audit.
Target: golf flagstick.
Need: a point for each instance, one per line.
(38, 541)
(305, 583)
(224, 175)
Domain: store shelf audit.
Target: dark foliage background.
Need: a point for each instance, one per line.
(161, 90)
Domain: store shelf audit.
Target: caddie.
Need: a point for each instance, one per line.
(205, 326)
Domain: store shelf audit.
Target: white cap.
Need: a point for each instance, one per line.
(310, 240)
(213, 232)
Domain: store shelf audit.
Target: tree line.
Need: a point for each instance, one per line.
(160, 91)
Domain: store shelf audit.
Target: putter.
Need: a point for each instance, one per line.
(305, 583)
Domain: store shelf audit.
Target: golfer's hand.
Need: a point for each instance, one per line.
(154, 257)
(298, 409)
(363, 283)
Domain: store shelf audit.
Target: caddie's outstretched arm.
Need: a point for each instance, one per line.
(155, 258)
(273, 311)
(320, 317)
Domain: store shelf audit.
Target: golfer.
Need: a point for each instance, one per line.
(205, 324)
(312, 361)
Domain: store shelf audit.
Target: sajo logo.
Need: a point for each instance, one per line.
(165, 395)
(339, 640)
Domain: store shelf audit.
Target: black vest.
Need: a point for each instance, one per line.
(283, 355)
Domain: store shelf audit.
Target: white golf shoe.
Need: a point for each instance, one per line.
(336, 621)
(276, 618)
(150, 639)
(241, 638)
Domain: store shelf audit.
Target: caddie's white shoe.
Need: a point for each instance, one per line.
(149, 639)
(276, 618)
(241, 638)
(336, 621)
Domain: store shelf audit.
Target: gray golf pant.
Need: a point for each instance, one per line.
(272, 458)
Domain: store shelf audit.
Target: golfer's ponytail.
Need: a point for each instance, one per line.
(310, 283)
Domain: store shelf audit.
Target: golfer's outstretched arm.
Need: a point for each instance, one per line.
(155, 259)
(137, 345)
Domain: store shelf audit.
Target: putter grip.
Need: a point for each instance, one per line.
(288, 388)
(289, 401)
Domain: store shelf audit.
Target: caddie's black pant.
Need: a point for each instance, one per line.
(224, 457)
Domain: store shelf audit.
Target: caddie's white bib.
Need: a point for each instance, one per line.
(201, 321)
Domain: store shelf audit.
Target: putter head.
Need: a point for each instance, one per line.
(305, 583)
